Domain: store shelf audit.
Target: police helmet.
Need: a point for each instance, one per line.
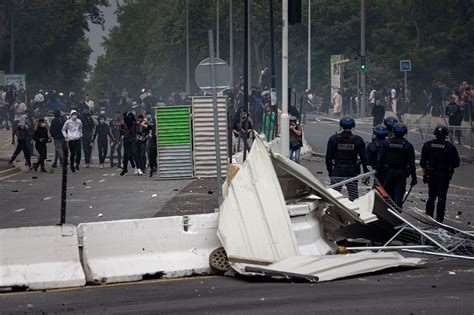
(293, 118)
(381, 130)
(347, 122)
(441, 131)
(400, 129)
(389, 122)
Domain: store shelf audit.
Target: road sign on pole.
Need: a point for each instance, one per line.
(405, 65)
(222, 75)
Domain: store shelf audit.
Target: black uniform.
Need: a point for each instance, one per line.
(87, 131)
(41, 137)
(372, 152)
(341, 160)
(102, 132)
(396, 162)
(117, 144)
(439, 158)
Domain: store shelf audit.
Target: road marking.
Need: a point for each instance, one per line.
(19, 210)
(112, 285)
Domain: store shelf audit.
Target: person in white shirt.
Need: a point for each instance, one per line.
(372, 98)
(89, 102)
(337, 102)
(72, 132)
(393, 100)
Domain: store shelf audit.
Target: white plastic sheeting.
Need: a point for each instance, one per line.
(331, 267)
(42, 257)
(257, 233)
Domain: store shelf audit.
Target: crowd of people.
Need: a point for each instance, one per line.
(130, 133)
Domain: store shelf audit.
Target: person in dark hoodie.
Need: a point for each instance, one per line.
(102, 133)
(88, 126)
(56, 132)
(41, 137)
(128, 132)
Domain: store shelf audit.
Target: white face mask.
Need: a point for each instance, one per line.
(310, 96)
(43, 125)
(74, 117)
(101, 121)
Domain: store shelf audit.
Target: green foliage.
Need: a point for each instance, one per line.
(50, 44)
(147, 49)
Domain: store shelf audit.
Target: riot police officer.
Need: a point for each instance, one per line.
(343, 149)
(389, 122)
(380, 134)
(439, 158)
(396, 162)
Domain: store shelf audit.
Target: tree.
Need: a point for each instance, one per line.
(50, 44)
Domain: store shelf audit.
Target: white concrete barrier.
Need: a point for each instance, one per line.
(168, 247)
(43, 257)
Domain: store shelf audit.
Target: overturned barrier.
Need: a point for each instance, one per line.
(43, 257)
(130, 250)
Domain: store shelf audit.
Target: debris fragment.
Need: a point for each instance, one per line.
(100, 215)
(19, 210)
(154, 195)
(451, 273)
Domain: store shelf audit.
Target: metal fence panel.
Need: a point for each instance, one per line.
(203, 136)
(174, 142)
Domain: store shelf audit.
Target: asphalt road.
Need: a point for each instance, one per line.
(442, 286)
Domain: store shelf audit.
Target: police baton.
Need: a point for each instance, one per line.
(408, 194)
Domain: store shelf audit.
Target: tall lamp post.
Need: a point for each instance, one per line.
(188, 86)
(309, 44)
(362, 56)
(285, 121)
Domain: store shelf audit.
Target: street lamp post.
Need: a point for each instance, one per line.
(285, 122)
(217, 30)
(188, 86)
(12, 44)
(231, 43)
(309, 44)
(362, 55)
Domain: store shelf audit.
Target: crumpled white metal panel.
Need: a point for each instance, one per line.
(254, 223)
(331, 267)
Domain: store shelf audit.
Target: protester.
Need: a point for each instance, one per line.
(128, 132)
(116, 145)
(102, 133)
(143, 131)
(72, 132)
(19, 109)
(268, 122)
(152, 145)
(378, 112)
(88, 126)
(4, 109)
(242, 131)
(296, 139)
(89, 103)
(56, 132)
(455, 117)
(41, 137)
(22, 134)
(337, 102)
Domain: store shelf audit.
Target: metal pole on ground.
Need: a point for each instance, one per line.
(217, 29)
(406, 87)
(64, 184)
(285, 122)
(216, 119)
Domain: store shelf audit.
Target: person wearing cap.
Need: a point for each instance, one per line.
(372, 151)
(242, 130)
(395, 163)
(72, 132)
(439, 158)
(58, 139)
(343, 151)
(296, 139)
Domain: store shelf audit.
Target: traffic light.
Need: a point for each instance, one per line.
(362, 63)
(294, 12)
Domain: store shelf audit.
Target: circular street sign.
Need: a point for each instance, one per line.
(202, 75)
